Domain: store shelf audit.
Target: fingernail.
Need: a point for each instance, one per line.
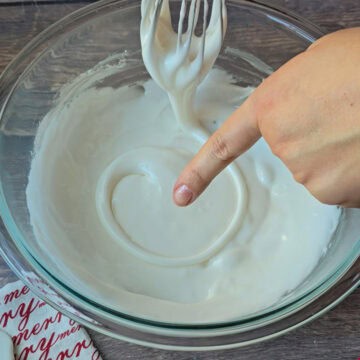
(183, 195)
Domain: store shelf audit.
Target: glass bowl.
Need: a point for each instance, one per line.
(259, 39)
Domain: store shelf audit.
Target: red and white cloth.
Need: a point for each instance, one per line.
(38, 331)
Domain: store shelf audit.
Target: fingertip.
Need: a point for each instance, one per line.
(183, 195)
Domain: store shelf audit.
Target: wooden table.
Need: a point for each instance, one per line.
(335, 335)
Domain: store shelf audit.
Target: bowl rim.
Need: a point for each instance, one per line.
(305, 29)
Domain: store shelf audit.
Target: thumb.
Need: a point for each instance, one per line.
(239, 132)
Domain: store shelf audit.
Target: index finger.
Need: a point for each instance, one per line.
(238, 133)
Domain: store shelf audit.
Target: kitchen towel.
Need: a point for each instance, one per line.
(40, 332)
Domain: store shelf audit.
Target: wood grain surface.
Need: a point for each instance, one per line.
(335, 335)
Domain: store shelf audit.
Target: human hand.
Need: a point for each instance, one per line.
(308, 112)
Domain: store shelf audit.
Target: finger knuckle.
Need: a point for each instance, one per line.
(265, 100)
(196, 178)
(220, 149)
(301, 177)
(263, 106)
